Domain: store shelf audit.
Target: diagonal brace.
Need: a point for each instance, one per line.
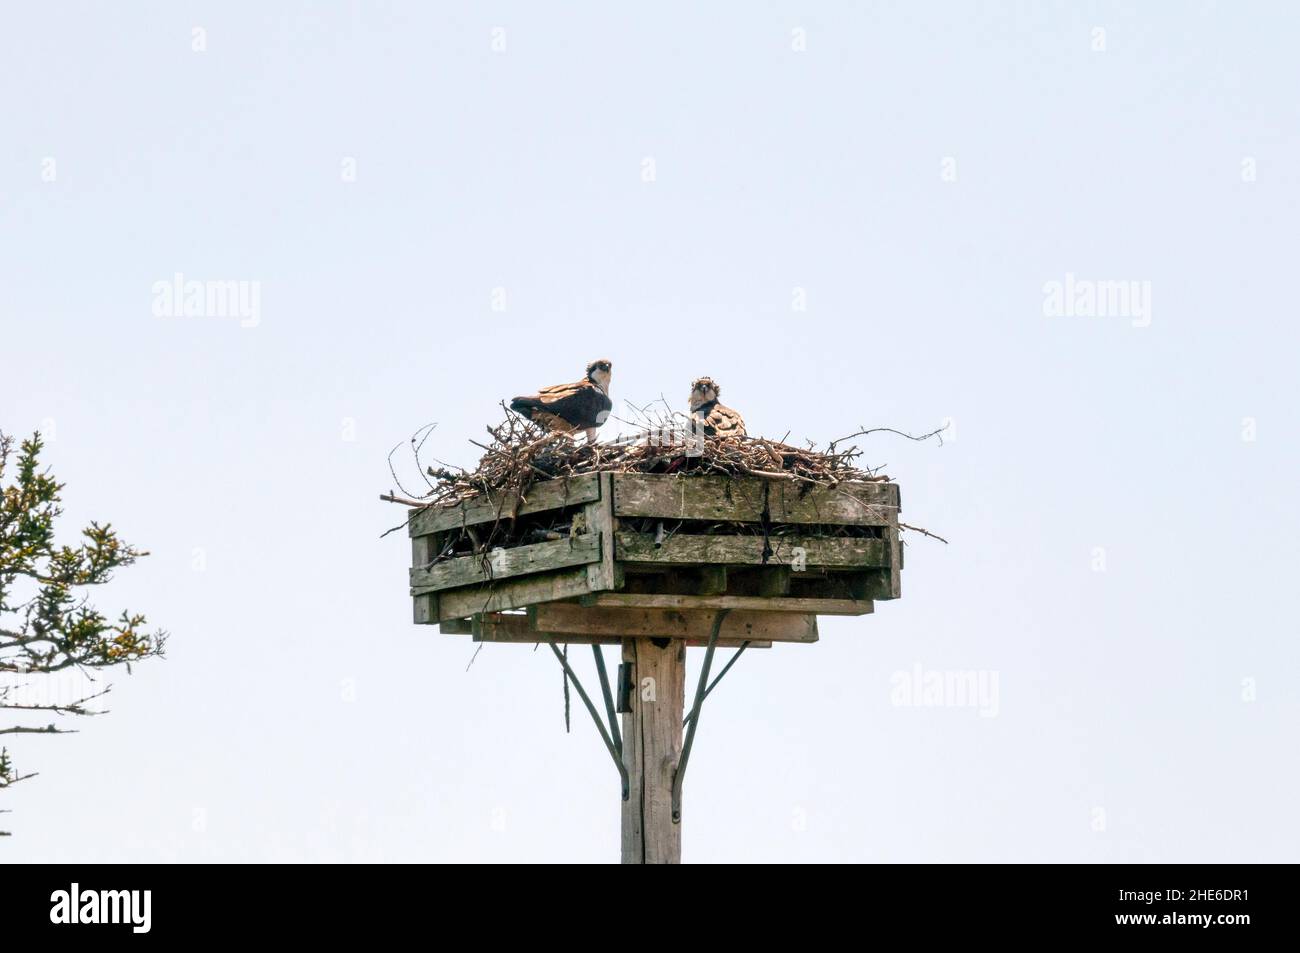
(714, 684)
(679, 775)
(604, 735)
(609, 699)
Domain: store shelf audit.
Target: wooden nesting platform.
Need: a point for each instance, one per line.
(605, 556)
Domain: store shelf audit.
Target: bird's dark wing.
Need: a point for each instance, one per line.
(581, 404)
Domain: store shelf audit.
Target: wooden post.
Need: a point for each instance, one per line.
(652, 743)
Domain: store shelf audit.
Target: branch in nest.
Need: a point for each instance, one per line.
(867, 432)
(392, 498)
(923, 532)
(520, 454)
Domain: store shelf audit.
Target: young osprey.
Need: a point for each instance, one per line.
(582, 405)
(718, 419)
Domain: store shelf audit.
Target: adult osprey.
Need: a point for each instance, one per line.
(718, 419)
(582, 405)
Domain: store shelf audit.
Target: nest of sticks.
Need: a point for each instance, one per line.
(520, 454)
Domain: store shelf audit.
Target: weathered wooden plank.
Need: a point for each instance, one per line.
(512, 593)
(758, 603)
(712, 580)
(864, 504)
(695, 624)
(679, 497)
(775, 581)
(515, 629)
(424, 606)
(741, 499)
(895, 565)
(748, 550)
(533, 638)
(546, 495)
(505, 563)
(605, 573)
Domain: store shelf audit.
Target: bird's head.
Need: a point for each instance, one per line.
(704, 390)
(598, 373)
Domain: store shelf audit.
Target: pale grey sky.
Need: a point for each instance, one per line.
(300, 716)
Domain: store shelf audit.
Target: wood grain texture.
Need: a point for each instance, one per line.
(712, 580)
(757, 603)
(874, 584)
(511, 593)
(424, 606)
(505, 563)
(775, 581)
(652, 743)
(605, 573)
(568, 618)
(895, 565)
(547, 495)
(516, 629)
(741, 499)
(748, 550)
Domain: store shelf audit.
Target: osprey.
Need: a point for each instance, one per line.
(718, 419)
(582, 405)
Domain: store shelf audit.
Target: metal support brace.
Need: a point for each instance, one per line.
(700, 691)
(609, 700)
(714, 684)
(604, 735)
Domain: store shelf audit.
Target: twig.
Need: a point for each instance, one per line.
(923, 532)
(867, 432)
(390, 498)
